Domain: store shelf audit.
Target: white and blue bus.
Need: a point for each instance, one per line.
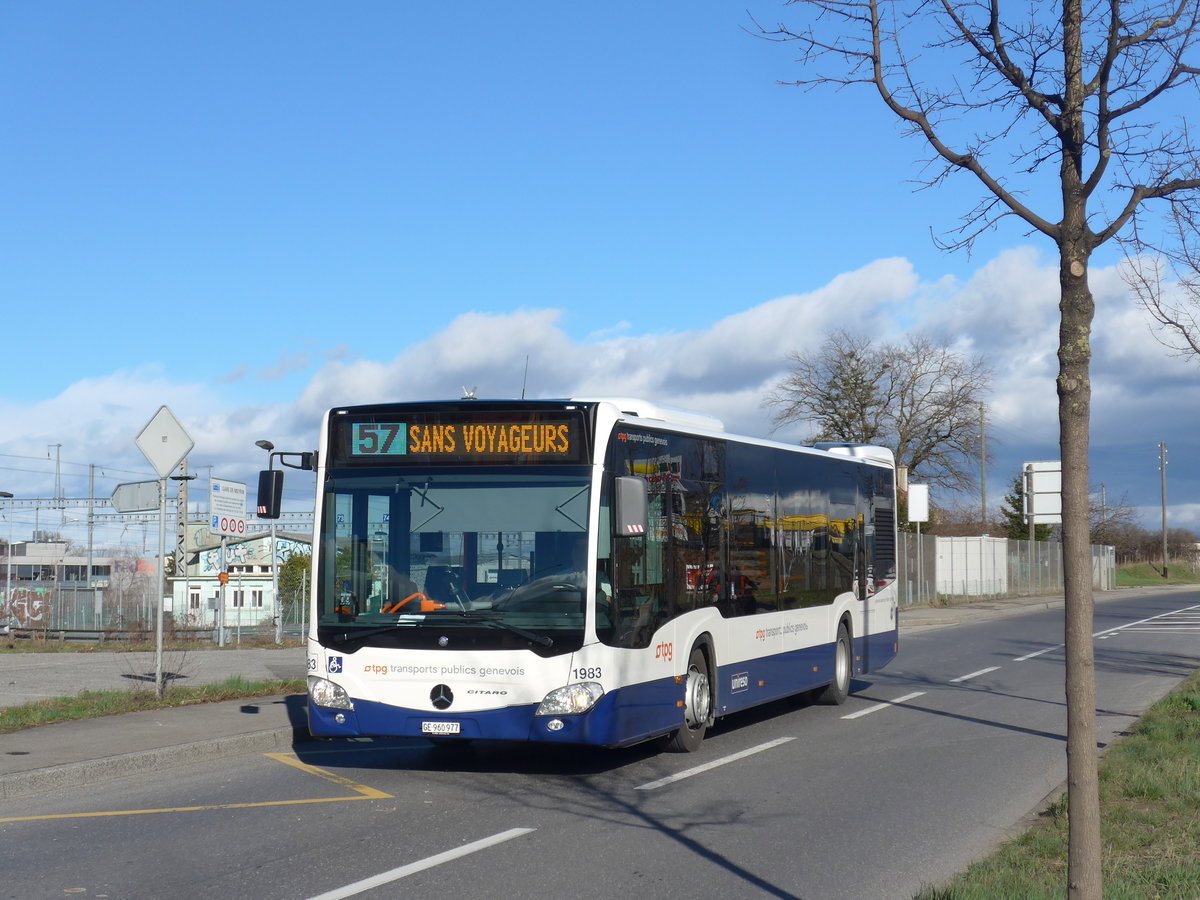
(598, 572)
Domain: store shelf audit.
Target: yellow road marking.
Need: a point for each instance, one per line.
(368, 793)
(361, 791)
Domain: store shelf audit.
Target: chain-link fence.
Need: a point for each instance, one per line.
(931, 570)
(128, 610)
(938, 569)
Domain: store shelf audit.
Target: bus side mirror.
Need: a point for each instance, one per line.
(270, 493)
(632, 507)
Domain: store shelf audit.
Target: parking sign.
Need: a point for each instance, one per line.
(227, 508)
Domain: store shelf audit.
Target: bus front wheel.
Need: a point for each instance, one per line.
(697, 705)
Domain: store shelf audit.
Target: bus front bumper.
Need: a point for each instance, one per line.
(619, 718)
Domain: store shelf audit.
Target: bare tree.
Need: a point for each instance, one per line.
(1064, 89)
(1166, 279)
(921, 398)
(1108, 522)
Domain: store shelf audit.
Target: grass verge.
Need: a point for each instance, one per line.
(92, 704)
(1148, 575)
(47, 642)
(1150, 820)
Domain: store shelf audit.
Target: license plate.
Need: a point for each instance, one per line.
(441, 727)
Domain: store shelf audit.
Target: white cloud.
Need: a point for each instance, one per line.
(1006, 311)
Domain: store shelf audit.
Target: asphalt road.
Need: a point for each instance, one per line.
(932, 762)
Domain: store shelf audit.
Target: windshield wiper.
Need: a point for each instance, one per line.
(476, 616)
(347, 637)
(559, 509)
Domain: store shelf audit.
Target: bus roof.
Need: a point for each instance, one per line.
(644, 409)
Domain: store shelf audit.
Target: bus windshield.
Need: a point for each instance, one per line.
(481, 557)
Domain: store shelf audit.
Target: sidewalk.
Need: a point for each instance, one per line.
(72, 754)
(914, 617)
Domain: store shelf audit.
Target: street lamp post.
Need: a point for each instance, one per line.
(8, 568)
(276, 606)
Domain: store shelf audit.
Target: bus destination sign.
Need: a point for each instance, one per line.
(423, 438)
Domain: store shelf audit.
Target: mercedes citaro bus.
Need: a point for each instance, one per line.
(592, 571)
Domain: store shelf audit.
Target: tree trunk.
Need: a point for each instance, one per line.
(1077, 308)
(1074, 409)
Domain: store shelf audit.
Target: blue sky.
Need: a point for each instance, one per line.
(250, 212)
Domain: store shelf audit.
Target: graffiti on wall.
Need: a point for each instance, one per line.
(24, 609)
(250, 553)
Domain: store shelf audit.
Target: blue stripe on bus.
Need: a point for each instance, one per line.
(746, 684)
(623, 716)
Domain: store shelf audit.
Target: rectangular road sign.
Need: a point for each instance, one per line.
(227, 508)
(1043, 490)
(135, 496)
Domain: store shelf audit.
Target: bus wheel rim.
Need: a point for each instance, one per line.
(843, 663)
(698, 698)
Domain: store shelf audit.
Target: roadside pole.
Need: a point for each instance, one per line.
(165, 444)
(162, 586)
(224, 579)
(227, 515)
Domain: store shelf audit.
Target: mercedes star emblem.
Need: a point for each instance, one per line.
(442, 696)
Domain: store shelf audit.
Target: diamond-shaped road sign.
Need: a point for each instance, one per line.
(164, 442)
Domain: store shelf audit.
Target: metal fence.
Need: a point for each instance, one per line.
(127, 609)
(930, 570)
(940, 569)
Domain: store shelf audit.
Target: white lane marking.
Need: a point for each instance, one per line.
(1039, 652)
(1108, 632)
(1176, 612)
(383, 878)
(887, 705)
(688, 773)
(973, 674)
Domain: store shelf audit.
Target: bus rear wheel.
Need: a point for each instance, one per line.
(697, 705)
(836, 692)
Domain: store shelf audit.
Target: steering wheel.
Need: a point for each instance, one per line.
(395, 607)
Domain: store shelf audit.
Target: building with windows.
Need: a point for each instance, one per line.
(46, 585)
(198, 596)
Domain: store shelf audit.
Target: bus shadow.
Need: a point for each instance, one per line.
(468, 756)
(486, 756)
(583, 781)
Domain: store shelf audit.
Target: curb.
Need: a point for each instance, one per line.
(73, 775)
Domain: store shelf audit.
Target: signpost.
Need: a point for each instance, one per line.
(227, 508)
(226, 515)
(165, 444)
(1043, 494)
(918, 511)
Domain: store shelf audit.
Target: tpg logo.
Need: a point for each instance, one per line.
(665, 651)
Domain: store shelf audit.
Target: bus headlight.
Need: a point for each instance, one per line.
(324, 692)
(571, 699)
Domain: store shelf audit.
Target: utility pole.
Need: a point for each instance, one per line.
(1029, 504)
(1162, 468)
(982, 472)
(181, 523)
(97, 598)
(58, 489)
